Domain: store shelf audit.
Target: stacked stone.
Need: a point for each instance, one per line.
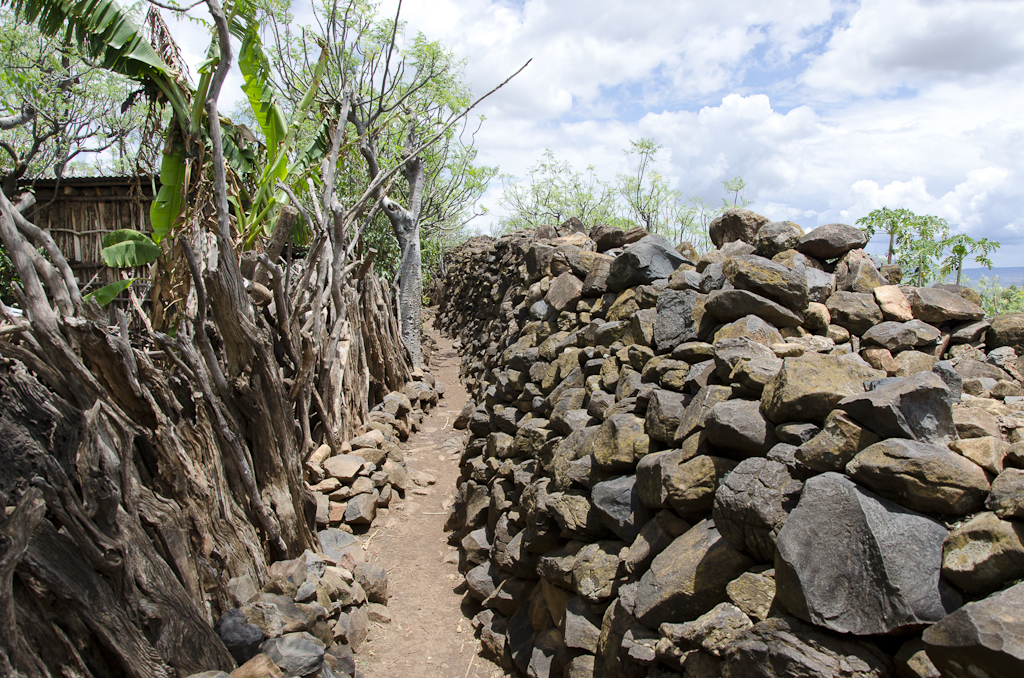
(354, 487)
(310, 616)
(314, 611)
(765, 460)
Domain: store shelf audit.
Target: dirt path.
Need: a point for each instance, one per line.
(430, 634)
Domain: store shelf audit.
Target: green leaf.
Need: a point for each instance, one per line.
(128, 249)
(255, 67)
(108, 293)
(106, 32)
(169, 199)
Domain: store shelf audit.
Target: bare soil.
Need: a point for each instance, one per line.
(430, 634)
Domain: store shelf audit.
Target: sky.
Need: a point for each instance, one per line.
(828, 109)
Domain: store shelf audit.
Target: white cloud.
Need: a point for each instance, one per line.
(828, 108)
(908, 43)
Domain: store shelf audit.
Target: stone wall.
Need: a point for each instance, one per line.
(765, 460)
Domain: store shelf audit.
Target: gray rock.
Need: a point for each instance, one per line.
(337, 543)
(607, 237)
(374, 580)
(564, 292)
(808, 387)
(984, 638)
(954, 382)
(820, 284)
(649, 259)
(856, 272)
(713, 631)
(362, 508)
(654, 537)
(984, 554)
(730, 305)
(917, 407)
(921, 476)
(674, 322)
(664, 411)
(483, 579)
(618, 503)
(735, 224)
(832, 241)
(897, 336)
(595, 570)
(838, 442)
(688, 578)
(939, 306)
(855, 311)
(241, 638)
(751, 506)
(796, 432)
(581, 628)
(768, 279)
(712, 278)
(737, 426)
(777, 236)
(297, 654)
(852, 562)
(1006, 499)
(782, 647)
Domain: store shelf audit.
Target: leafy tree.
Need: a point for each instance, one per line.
(554, 192)
(998, 300)
(915, 241)
(736, 186)
(961, 246)
(649, 200)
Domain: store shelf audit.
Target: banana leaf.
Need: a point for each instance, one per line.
(108, 293)
(167, 205)
(128, 249)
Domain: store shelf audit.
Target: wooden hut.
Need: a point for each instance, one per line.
(79, 211)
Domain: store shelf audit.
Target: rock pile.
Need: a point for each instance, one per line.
(313, 612)
(766, 460)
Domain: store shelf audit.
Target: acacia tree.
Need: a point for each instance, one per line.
(61, 111)
(406, 107)
(915, 241)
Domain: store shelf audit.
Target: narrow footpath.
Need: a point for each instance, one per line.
(430, 634)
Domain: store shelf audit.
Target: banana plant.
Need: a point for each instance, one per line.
(124, 248)
(280, 135)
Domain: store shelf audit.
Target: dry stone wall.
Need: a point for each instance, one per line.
(766, 460)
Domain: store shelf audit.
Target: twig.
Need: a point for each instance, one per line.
(472, 657)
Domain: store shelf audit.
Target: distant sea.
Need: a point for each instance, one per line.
(1013, 275)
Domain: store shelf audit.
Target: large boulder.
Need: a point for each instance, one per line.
(674, 322)
(856, 311)
(768, 279)
(730, 305)
(649, 259)
(832, 241)
(921, 476)
(853, 562)
(688, 578)
(782, 647)
(1006, 330)
(933, 305)
(618, 503)
(984, 638)
(855, 272)
(564, 292)
(751, 506)
(735, 224)
(808, 387)
(917, 407)
(738, 427)
(897, 336)
(984, 553)
(777, 236)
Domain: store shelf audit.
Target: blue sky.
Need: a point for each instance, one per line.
(827, 109)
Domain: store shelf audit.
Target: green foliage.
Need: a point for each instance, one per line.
(959, 247)
(555, 191)
(128, 249)
(108, 293)
(918, 243)
(8, 277)
(998, 300)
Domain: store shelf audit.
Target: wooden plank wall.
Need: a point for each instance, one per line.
(86, 210)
